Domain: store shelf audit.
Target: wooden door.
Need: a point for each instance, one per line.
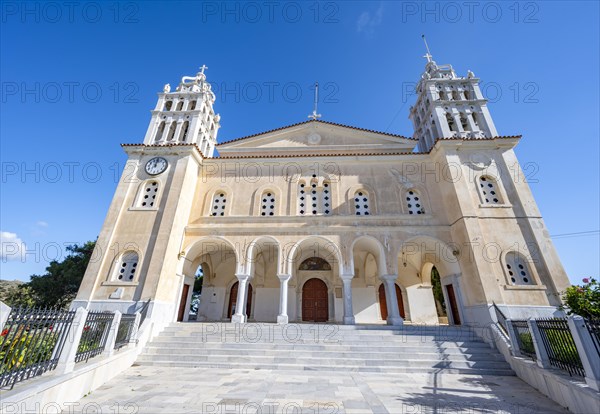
(315, 306)
(383, 302)
(453, 304)
(182, 302)
(233, 295)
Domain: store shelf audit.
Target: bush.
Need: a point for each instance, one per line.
(583, 300)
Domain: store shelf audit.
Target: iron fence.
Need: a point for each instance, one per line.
(144, 311)
(560, 346)
(524, 338)
(501, 319)
(31, 342)
(94, 336)
(593, 326)
(125, 331)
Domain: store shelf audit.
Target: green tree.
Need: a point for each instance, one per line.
(59, 285)
(19, 295)
(583, 300)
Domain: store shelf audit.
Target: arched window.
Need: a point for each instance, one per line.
(313, 199)
(159, 132)
(315, 263)
(414, 203)
(168, 105)
(451, 123)
(455, 96)
(475, 120)
(192, 106)
(184, 131)
(218, 205)
(302, 198)
(326, 196)
(464, 122)
(489, 190)
(267, 207)
(125, 267)
(518, 269)
(361, 203)
(442, 95)
(171, 133)
(148, 194)
(179, 106)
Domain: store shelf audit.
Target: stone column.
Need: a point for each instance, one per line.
(282, 318)
(240, 306)
(392, 300)
(348, 312)
(542, 359)
(66, 360)
(109, 349)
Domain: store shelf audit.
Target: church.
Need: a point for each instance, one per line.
(323, 222)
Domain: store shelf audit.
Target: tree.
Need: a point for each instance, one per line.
(58, 287)
(583, 300)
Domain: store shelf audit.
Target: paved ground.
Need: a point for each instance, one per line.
(145, 389)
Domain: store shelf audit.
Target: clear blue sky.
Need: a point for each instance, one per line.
(78, 81)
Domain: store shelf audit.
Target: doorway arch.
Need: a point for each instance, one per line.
(315, 303)
(383, 302)
(233, 295)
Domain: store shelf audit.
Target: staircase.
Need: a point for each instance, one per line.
(323, 347)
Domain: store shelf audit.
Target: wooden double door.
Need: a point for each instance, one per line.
(233, 295)
(315, 304)
(383, 302)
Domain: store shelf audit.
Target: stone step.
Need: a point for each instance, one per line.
(403, 348)
(500, 371)
(364, 354)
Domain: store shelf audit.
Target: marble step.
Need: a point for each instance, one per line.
(364, 354)
(345, 368)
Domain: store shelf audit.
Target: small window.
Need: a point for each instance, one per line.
(489, 190)
(126, 267)
(451, 123)
(302, 198)
(159, 132)
(179, 106)
(414, 203)
(361, 203)
(326, 197)
(218, 205)
(517, 269)
(168, 105)
(172, 129)
(267, 206)
(464, 122)
(192, 106)
(148, 196)
(184, 131)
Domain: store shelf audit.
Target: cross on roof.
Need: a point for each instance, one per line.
(202, 68)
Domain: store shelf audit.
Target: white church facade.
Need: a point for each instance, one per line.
(322, 222)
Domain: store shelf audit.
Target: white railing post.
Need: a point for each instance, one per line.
(66, 361)
(514, 342)
(540, 350)
(109, 348)
(4, 312)
(586, 349)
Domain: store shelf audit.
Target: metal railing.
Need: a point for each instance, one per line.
(501, 319)
(560, 346)
(593, 326)
(524, 338)
(144, 311)
(94, 336)
(125, 331)
(31, 343)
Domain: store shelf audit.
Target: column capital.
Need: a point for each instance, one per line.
(284, 278)
(242, 277)
(347, 277)
(389, 278)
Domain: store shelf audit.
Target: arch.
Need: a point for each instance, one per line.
(373, 246)
(320, 244)
(414, 201)
(179, 105)
(171, 133)
(219, 203)
(210, 245)
(489, 189)
(192, 105)
(233, 299)
(258, 245)
(314, 263)
(159, 131)
(257, 197)
(371, 196)
(168, 105)
(184, 131)
(417, 251)
(209, 195)
(315, 300)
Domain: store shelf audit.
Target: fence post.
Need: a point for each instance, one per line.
(66, 361)
(4, 312)
(540, 350)
(587, 350)
(109, 348)
(516, 351)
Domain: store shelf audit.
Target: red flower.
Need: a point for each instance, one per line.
(86, 328)
(586, 280)
(50, 327)
(4, 332)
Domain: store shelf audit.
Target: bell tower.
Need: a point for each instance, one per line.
(449, 106)
(186, 115)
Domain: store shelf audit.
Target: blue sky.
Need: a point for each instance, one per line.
(79, 80)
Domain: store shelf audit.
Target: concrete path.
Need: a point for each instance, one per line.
(147, 389)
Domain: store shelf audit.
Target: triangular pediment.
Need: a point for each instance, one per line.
(316, 138)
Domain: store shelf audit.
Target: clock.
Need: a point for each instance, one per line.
(156, 165)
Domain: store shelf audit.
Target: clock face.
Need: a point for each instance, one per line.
(156, 165)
